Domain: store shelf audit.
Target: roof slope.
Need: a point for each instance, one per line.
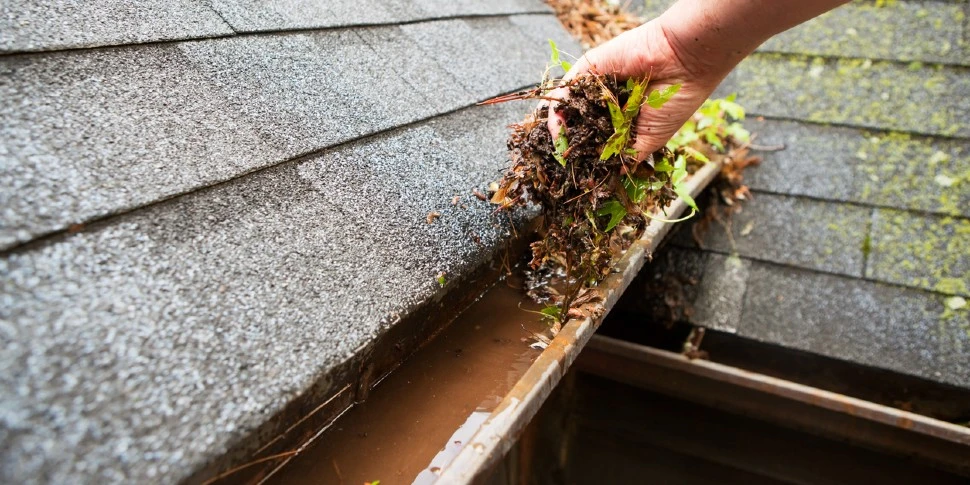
(858, 237)
(196, 232)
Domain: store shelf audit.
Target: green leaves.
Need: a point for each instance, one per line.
(556, 60)
(657, 99)
(624, 117)
(561, 144)
(633, 103)
(615, 210)
(637, 189)
(551, 312)
(678, 180)
(712, 124)
(697, 155)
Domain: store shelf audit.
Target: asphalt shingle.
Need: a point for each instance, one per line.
(255, 15)
(29, 25)
(930, 100)
(93, 133)
(893, 328)
(922, 251)
(467, 51)
(800, 232)
(879, 168)
(908, 31)
(146, 345)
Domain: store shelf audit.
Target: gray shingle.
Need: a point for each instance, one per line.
(467, 50)
(255, 15)
(868, 323)
(922, 251)
(888, 169)
(923, 31)
(84, 135)
(931, 100)
(928, 31)
(142, 347)
(790, 230)
(720, 292)
(709, 286)
(93, 133)
(29, 25)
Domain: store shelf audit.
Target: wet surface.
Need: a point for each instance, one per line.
(421, 415)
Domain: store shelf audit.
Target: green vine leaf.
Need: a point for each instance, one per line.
(697, 155)
(615, 210)
(616, 116)
(561, 145)
(556, 60)
(551, 312)
(657, 99)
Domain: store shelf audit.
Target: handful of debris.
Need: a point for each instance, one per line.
(595, 197)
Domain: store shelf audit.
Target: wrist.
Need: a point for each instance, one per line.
(704, 49)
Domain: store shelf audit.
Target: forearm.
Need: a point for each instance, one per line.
(712, 36)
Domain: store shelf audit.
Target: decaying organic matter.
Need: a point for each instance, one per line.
(595, 197)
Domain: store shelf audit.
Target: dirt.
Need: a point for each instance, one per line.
(595, 196)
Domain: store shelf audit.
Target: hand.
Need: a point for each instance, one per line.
(695, 43)
(642, 52)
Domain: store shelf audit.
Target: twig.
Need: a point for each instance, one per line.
(247, 465)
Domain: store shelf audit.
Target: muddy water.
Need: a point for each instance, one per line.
(420, 416)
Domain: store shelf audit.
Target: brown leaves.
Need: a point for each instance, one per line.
(593, 21)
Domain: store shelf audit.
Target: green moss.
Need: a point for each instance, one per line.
(904, 31)
(927, 252)
(866, 246)
(901, 170)
(862, 92)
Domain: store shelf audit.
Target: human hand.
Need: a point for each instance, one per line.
(645, 52)
(695, 43)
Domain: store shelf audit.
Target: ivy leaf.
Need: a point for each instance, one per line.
(615, 210)
(657, 99)
(561, 145)
(697, 155)
(616, 116)
(633, 103)
(551, 312)
(680, 172)
(663, 166)
(738, 132)
(635, 189)
(734, 110)
(555, 57)
(683, 193)
(615, 144)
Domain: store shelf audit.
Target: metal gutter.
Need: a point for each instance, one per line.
(499, 432)
(938, 443)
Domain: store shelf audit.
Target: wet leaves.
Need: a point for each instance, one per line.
(595, 195)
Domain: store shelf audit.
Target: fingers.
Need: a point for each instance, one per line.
(612, 57)
(655, 126)
(556, 121)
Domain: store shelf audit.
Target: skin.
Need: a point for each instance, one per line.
(695, 43)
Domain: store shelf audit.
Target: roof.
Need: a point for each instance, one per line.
(856, 244)
(211, 209)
